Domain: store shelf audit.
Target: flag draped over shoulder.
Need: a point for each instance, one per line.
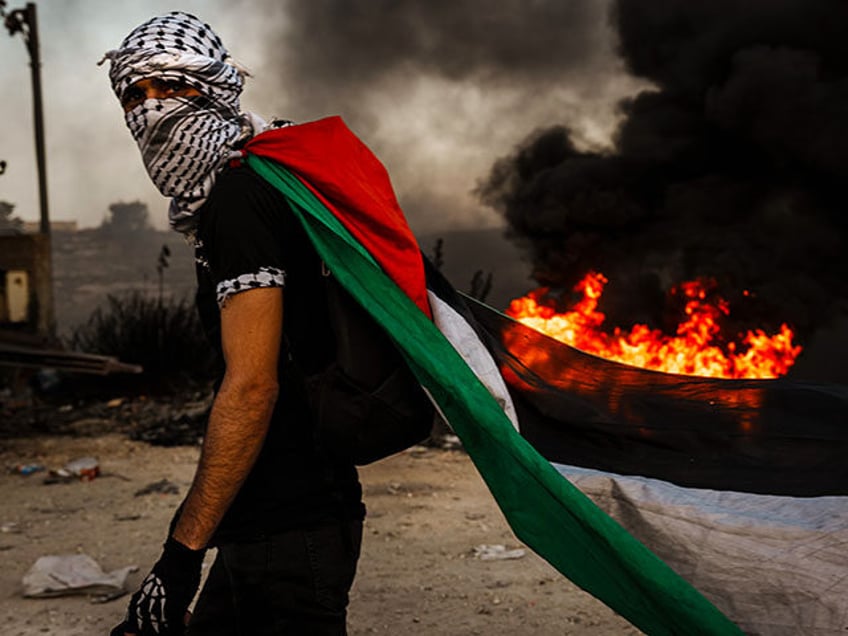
(346, 177)
(772, 561)
(543, 508)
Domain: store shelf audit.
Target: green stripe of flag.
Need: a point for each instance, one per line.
(544, 510)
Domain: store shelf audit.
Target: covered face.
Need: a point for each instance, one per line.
(185, 136)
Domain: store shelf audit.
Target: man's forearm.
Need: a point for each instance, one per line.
(236, 431)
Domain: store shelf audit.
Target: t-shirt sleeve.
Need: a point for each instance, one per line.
(239, 233)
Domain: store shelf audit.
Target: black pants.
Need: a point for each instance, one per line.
(295, 582)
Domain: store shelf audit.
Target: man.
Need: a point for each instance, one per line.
(285, 516)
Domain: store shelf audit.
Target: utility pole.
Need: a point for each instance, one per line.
(25, 22)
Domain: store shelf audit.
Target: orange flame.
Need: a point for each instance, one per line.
(694, 350)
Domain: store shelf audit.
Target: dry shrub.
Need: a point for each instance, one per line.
(164, 336)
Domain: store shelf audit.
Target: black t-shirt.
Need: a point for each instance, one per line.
(248, 237)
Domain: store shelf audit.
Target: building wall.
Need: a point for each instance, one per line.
(31, 253)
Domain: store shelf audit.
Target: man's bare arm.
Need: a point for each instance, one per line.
(251, 331)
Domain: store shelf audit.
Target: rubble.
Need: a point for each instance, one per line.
(162, 487)
(497, 552)
(161, 421)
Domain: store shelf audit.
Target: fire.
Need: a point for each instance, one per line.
(696, 349)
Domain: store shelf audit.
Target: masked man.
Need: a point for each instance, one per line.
(286, 519)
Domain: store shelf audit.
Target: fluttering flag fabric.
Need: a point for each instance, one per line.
(527, 426)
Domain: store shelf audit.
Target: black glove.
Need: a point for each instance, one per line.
(160, 605)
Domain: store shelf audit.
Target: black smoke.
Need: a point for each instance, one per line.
(733, 165)
(437, 88)
(352, 44)
(341, 56)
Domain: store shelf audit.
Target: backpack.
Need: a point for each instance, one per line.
(366, 404)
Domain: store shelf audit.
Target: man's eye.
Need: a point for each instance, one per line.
(132, 95)
(173, 86)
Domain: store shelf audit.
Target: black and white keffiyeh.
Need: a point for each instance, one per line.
(264, 277)
(184, 141)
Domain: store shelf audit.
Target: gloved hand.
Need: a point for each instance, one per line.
(159, 607)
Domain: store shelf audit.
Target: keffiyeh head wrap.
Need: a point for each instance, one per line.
(184, 141)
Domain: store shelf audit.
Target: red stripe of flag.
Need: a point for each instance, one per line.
(349, 179)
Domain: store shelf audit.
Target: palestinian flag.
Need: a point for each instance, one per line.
(736, 487)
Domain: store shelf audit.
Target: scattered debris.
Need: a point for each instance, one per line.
(10, 527)
(90, 426)
(450, 442)
(58, 510)
(418, 451)
(62, 575)
(27, 469)
(182, 426)
(57, 477)
(497, 552)
(47, 361)
(86, 468)
(498, 585)
(162, 486)
(82, 469)
(160, 421)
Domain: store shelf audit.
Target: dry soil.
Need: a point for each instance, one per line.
(428, 510)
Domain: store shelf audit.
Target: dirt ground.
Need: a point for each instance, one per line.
(428, 510)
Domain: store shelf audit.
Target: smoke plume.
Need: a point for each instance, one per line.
(731, 165)
(349, 47)
(438, 88)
